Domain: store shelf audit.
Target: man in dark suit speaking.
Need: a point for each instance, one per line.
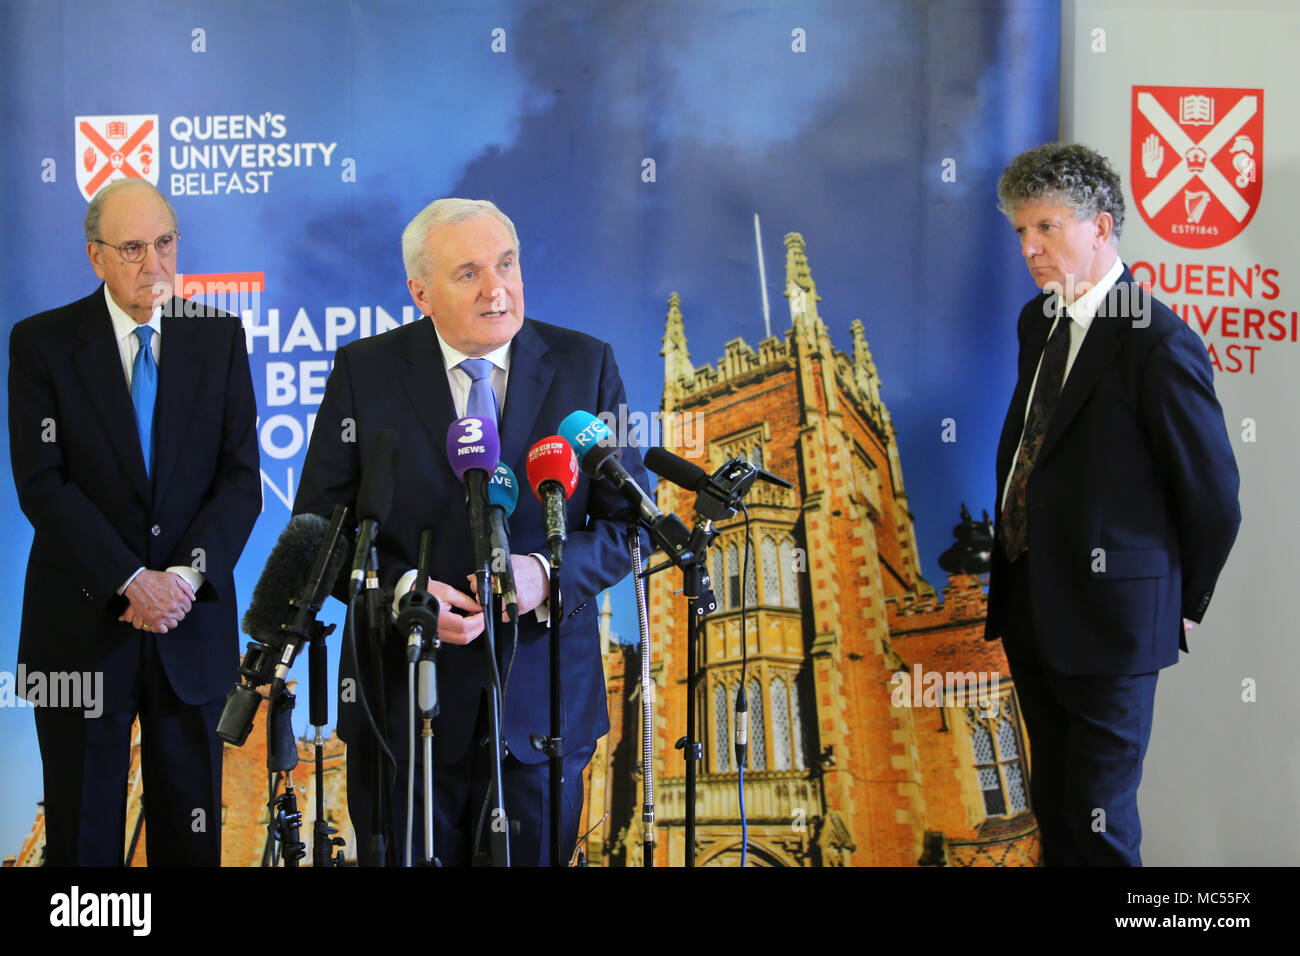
(134, 449)
(1117, 505)
(474, 350)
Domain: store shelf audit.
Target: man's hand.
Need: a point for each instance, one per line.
(159, 601)
(453, 628)
(531, 583)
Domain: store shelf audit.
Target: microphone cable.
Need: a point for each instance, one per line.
(505, 686)
(350, 639)
(505, 683)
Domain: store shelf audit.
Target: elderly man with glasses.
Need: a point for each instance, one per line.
(133, 443)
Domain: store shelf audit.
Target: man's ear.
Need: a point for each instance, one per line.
(95, 253)
(1105, 224)
(419, 294)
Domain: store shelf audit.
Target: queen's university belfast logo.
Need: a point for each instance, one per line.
(115, 147)
(1196, 166)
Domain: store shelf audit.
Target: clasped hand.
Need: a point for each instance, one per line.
(159, 600)
(531, 585)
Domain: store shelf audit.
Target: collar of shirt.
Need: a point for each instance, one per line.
(123, 331)
(459, 379)
(1085, 306)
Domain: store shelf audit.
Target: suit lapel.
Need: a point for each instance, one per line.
(425, 381)
(530, 380)
(1099, 347)
(1030, 354)
(99, 365)
(178, 381)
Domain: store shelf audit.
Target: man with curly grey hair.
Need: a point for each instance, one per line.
(1117, 505)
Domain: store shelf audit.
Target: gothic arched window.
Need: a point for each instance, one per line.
(751, 578)
(789, 580)
(722, 745)
(771, 573)
(757, 732)
(780, 726)
(719, 579)
(733, 577)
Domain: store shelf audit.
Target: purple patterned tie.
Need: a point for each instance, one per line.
(1013, 531)
(482, 397)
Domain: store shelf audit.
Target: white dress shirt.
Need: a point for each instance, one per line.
(128, 345)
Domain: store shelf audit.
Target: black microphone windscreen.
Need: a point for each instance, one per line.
(679, 471)
(375, 497)
(596, 456)
(285, 575)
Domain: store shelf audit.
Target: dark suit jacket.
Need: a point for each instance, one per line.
(1132, 505)
(95, 514)
(397, 380)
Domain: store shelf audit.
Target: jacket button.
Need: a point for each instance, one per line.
(156, 530)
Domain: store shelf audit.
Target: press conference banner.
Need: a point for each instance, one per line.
(632, 143)
(1196, 106)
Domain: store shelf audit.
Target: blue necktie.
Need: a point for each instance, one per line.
(482, 398)
(144, 390)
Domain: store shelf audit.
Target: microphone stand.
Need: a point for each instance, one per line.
(417, 616)
(500, 825)
(647, 701)
(281, 757)
(719, 496)
(553, 745)
(323, 839)
(688, 551)
(380, 835)
(699, 602)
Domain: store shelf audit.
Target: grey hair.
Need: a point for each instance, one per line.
(1069, 173)
(95, 210)
(443, 212)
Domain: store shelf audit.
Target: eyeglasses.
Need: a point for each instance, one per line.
(134, 251)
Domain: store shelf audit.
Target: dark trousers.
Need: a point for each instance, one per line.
(459, 790)
(85, 762)
(1088, 736)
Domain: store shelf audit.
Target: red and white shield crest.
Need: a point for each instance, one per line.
(1197, 161)
(114, 147)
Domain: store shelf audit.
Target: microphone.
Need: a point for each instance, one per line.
(417, 610)
(682, 473)
(503, 494)
(474, 451)
(417, 616)
(374, 501)
(718, 494)
(299, 574)
(553, 475)
(598, 454)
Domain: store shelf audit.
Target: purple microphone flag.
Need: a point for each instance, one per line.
(472, 443)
